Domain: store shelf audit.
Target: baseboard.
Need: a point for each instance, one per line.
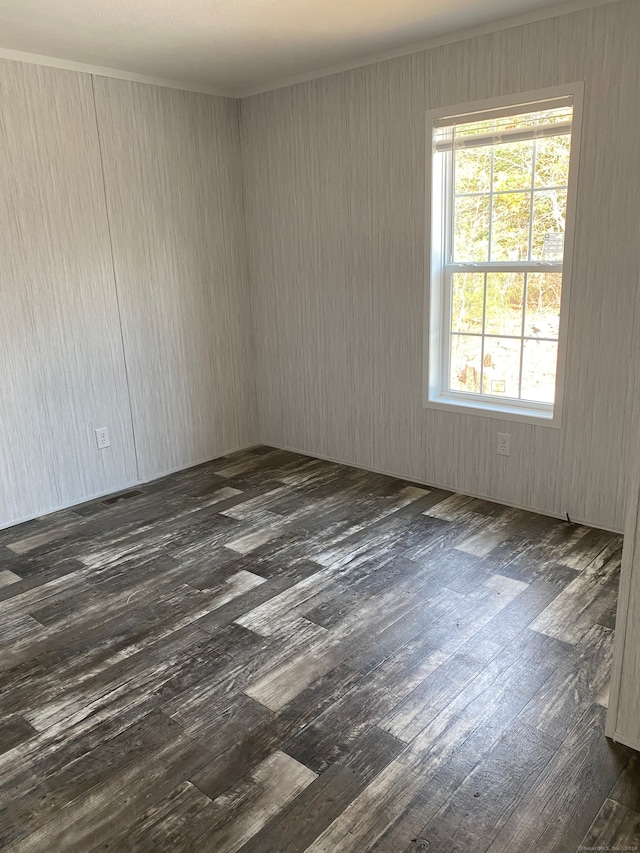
(447, 486)
(127, 485)
(616, 737)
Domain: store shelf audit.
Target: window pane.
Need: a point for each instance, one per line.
(501, 368)
(471, 229)
(464, 367)
(473, 169)
(467, 302)
(513, 166)
(542, 316)
(505, 293)
(549, 215)
(503, 197)
(539, 364)
(552, 161)
(510, 227)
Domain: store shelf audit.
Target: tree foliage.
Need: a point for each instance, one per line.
(509, 206)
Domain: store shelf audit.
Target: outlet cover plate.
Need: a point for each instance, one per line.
(102, 438)
(504, 444)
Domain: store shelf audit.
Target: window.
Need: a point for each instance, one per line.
(502, 186)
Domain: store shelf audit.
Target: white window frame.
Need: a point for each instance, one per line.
(435, 384)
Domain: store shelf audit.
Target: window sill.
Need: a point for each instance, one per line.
(496, 411)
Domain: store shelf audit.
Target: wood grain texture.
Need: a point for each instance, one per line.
(615, 826)
(623, 720)
(62, 371)
(335, 177)
(408, 714)
(173, 185)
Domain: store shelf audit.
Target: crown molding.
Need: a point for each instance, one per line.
(563, 8)
(100, 71)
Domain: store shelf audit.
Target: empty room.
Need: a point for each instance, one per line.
(319, 426)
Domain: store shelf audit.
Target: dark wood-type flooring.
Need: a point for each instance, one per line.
(271, 654)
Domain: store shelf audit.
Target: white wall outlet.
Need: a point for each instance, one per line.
(504, 444)
(102, 438)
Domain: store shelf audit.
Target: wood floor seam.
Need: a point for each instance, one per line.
(271, 653)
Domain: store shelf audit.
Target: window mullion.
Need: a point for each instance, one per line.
(484, 316)
(500, 266)
(530, 257)
(524, 314)
(445, 375)
(533, 182)
(491, 178)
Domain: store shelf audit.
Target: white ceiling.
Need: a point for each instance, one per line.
(236, 46)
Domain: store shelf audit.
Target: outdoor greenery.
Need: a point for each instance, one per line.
(509, 206)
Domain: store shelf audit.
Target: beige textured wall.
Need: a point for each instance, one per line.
(61, 365)
(334, 184)
(174, 193)
(335, 177)
(623, 720)
(172, 176)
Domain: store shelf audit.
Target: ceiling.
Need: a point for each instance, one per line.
(237, 46)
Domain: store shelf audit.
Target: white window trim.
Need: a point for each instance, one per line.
(433, 310)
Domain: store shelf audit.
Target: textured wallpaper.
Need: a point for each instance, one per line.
(152, 339)
(61, 364)
(173, 185)
(335, 180)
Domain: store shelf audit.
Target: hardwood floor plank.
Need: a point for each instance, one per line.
(492, 534)
(575, 611)
(36, 526)
(431, 696)
(188, 820)
(176, 824)
(284, 682)
(326, 797)
(593, 545)
(33, 575)
(451, 508)
(136, 681)
(268, 613)
(220, 730)
(244, 809)
(38, 795)
(37, 540)
(574, 685)
(13, 730)
(8, 577)
(627, 787)
(266, 737)
(271, 652)
(434, 764)
(474, 814)
(91, 818)
(514, 617)
(539, 555)
(616, 827)
(560, 808)
(250, 541)
(256, 596)
(433, 632)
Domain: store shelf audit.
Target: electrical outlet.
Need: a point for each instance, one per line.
(504, 444)
(102, 438)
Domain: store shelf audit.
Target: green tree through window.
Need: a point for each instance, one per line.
(501, 183)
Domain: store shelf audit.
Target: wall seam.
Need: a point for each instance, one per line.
(247, 263)
(115, 279)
